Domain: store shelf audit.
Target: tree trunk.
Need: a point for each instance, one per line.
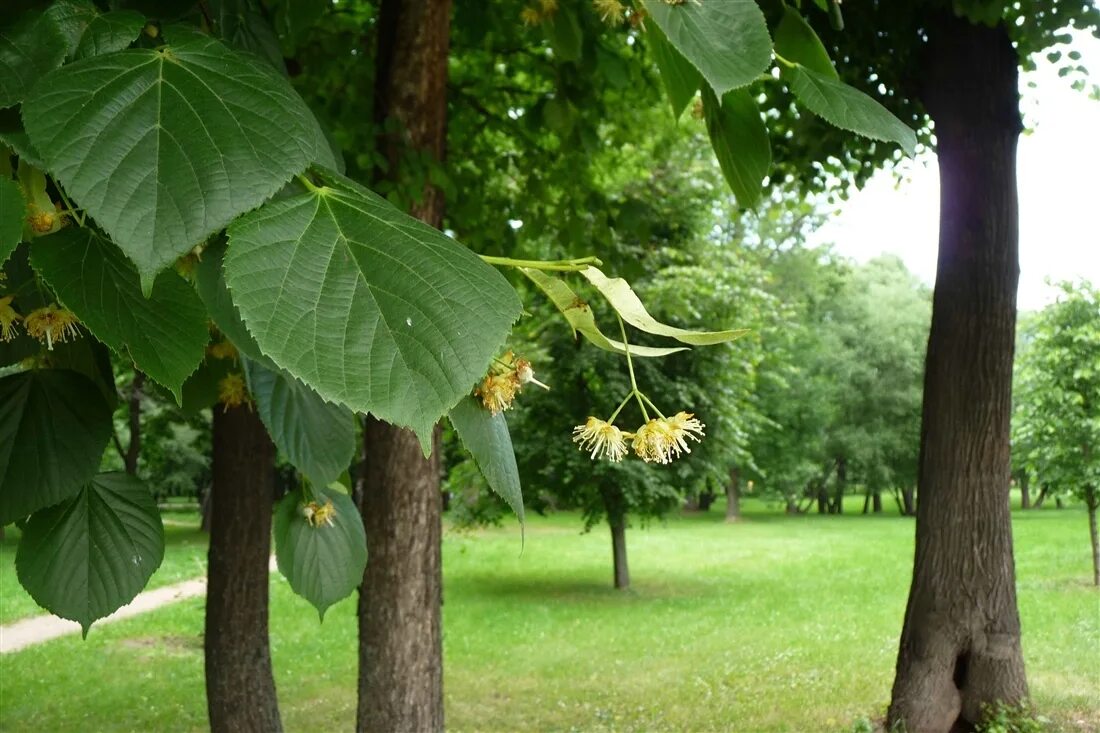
(908, 498)
(866, 500)
(1044, 492)
(133, 450)
(837, 506)
(1025, 491)
(733, 496)
(240, 688)
(400, 637)
(1058, 503)
(618, 551)
(876, 502)
(822, 500)
(960, 645)
(706, 499)
(1092, 501)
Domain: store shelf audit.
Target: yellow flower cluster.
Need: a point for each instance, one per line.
(611, 11)
(9, 319)
(319, 514)
(540, 11)
(660, 440)
(506, 378)
(232, 391)
(51, 325)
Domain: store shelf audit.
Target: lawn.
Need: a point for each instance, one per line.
(773, 624)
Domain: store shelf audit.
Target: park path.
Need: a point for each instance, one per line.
(37, 629)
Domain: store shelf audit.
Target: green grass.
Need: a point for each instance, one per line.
(185, 558)
(773, 624)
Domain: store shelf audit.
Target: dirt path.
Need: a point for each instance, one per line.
(37, 629)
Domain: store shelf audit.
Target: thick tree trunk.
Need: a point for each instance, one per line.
(618, 551)
(876, 502)
(1092, 501)
(240, 688)
(733, 496)
(400, 637)
(1025, 491)
(960, 645)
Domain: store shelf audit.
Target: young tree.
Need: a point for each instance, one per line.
(1057, 414)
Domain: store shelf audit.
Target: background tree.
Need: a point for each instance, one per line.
(1057, 405)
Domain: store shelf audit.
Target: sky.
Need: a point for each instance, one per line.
(1058, 171)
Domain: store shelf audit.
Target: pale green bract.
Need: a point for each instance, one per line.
(165, 335)
(367, 305)
(89, 556)
(165, 147)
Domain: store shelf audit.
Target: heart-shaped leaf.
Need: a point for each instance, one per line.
(681, 79)
(86, 558)
(165, 334)
(317, 437)
(54, 425)
(164, 147)
(33, 46)
(740, 141)
(367, 305)
(110, 32)
(726, 40)
(324, 561)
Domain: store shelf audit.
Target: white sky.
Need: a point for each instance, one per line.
(1058, 169)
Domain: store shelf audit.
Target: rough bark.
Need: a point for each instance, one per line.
(1025, 491)
(240, 688)
(960, 645)
(733, 496)
(400, 634)
(1092, 502)
(618, 552)
(400, 639)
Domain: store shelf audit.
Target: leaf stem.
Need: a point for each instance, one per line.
(69, 204)
(630, 368)
(304, 180)
(571, 265)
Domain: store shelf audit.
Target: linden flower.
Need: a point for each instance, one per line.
(601, 439)
(653, 441)
(317, 514)
(530, 16)
(232, 391)
(498, 392)
(52, 324)
(684, 425)
(611, 11)
(222, 350)
(526, 375)
(8, 319)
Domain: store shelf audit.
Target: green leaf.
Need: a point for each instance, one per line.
(681, 79)
(324, 564)
(486, 436)
(201, 388)
(32, 47)
(242, 25)
(86, 558)
(164, 335)
(210, 284)
(740, 141)
(12, 212)
(579, 316)
(54, 426)
(564, 32)
(13, 135)
(848, 108)
(165, 147)
(726, 40)
(368, 306)
(317, 437)
(73, 17)
(796, 41)
(110, 32)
